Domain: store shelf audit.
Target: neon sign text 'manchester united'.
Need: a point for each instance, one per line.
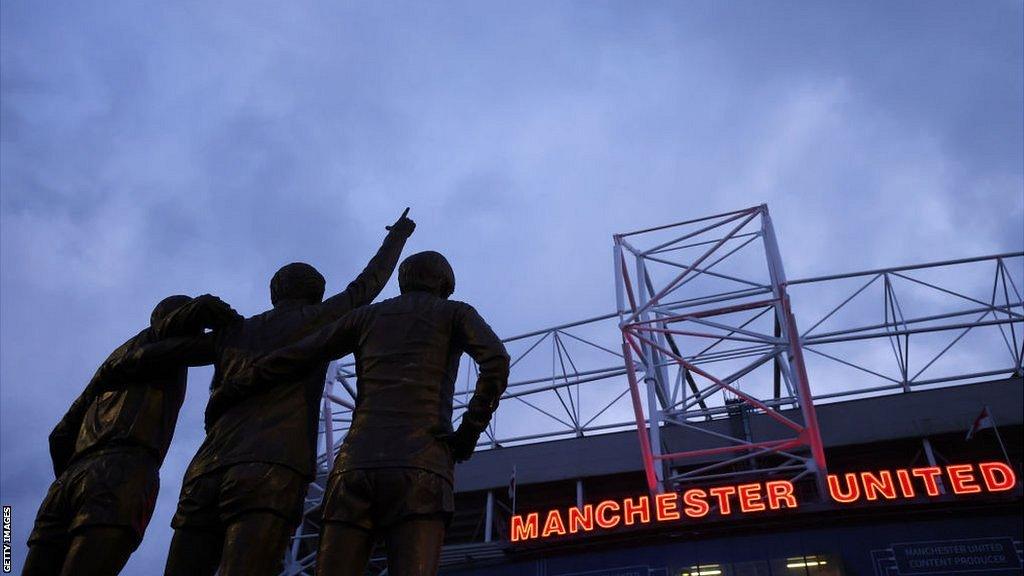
(759, 497)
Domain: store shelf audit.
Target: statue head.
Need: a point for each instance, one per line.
(426, 272)
(166, 306)
(297, 281)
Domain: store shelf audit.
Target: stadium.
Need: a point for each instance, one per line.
(726, 420)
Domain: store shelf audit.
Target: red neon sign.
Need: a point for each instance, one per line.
(756, 497)
(668, 507)
(896, 484)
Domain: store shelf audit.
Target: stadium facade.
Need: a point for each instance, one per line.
(942, 532)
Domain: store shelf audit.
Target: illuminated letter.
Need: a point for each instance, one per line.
(989, 471)
(961, 479)
(640, 508)
(750, 497)
(581, 519)
(904, 477)
(722, 493)
(527, 531)
(880, 484)
(696, 506)
(780, 492)
(852, 489)
(929, 476)
(666, 506)
(602, 520)
(553, 525)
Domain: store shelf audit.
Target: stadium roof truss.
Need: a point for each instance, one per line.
(709, 300)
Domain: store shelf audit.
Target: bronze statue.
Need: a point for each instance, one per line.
(108, 448)
(393, 474)
(242, 494)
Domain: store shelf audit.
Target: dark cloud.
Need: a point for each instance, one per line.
(156, 148)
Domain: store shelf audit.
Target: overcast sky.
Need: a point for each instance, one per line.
(187, 147)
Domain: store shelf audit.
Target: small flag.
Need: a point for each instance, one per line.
(984, 420)
(512, 486)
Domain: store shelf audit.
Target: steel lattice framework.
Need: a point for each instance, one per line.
(705, 330)
(719, 323)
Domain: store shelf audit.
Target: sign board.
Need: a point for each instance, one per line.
(955, 556)
(759, 497)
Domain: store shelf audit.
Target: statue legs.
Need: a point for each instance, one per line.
(410, 507)
(413, 547)
(98, 551)
(344, 550)
(252, 545)
(235, 521)
(102, 551)
(45, 559)
(255, 544)
(194, 552)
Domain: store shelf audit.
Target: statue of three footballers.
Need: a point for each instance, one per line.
(242, 494)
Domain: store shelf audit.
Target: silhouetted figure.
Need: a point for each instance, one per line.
(393, 474)
(242, 494)
(108, 448)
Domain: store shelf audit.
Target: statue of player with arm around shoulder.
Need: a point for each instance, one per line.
(393, 475)
(242, 495)
(108, 447)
